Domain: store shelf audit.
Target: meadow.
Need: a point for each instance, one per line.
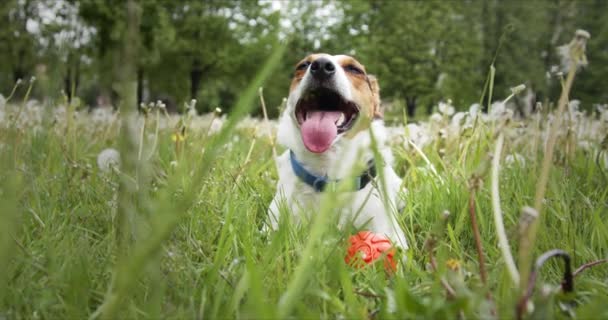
(156, 215)
(112, 209)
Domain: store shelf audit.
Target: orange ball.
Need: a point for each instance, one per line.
(371, 247)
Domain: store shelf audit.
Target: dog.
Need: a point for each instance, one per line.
(332, 110)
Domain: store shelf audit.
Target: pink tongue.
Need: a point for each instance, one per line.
(319, 130)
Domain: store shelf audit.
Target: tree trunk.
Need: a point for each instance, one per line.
(140, 86)
(196, 74)
(410, 103)
(67, 83)
(19, 70)
(72, 77)
(76, 76)
(18, 73)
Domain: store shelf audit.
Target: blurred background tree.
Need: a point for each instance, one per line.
(422, 51)
(19, 46)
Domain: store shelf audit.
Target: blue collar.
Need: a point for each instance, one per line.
(319, 183)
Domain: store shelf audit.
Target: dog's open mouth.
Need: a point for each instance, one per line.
(323, 114)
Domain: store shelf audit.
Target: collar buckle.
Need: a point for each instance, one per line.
(318, 183)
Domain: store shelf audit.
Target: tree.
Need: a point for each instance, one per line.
(157, 37)
(418, 49)
(109, 18)
(590, 86)
(18, 45)
(204, 38)
(421, 51)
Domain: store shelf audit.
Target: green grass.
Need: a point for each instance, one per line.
(166, 240)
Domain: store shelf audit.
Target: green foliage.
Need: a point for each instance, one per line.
(590, 88)
(422, 51)
(419, 50)
(18, 46)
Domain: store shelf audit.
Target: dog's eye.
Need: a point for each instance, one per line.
(303, 65)
(353, 69)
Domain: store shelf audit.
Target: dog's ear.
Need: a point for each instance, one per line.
(373, 85)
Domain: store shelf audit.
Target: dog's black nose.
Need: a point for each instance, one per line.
(322, 68)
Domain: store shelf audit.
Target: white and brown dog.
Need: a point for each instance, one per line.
(332, 109)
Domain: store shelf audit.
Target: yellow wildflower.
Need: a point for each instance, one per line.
(453, 264)
(178, 136)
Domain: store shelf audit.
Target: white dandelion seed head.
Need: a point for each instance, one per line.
(446, 108)
(417, 135)
(507, 114)
(563, 52)
(554, 69)
(436, 117)
(192, 112)
(546, 290)
(585, 145)
(530, 306)
(602, 110)
(108, 159)
(497, 109)
(100, 115)
(474, 110)
(443, 133)
(573, 106)
(574, 52)
(515, 158)
(216, 125)
(457, 118)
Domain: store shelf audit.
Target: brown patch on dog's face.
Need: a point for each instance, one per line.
(364, 87)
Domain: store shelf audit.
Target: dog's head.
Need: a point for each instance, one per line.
(331, 98)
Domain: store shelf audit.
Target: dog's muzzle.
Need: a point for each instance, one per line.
(322, 69)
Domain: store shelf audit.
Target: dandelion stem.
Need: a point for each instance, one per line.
(272, 144)
(500, 228)
(141, 139)
(13, 91)
(567, 284)
(587, 266)
(153, 150)
(476, 234)
(424, 157)
(429, 245)
(527, 240)
(25, 98)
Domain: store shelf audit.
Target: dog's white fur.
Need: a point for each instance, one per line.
(372, 211)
